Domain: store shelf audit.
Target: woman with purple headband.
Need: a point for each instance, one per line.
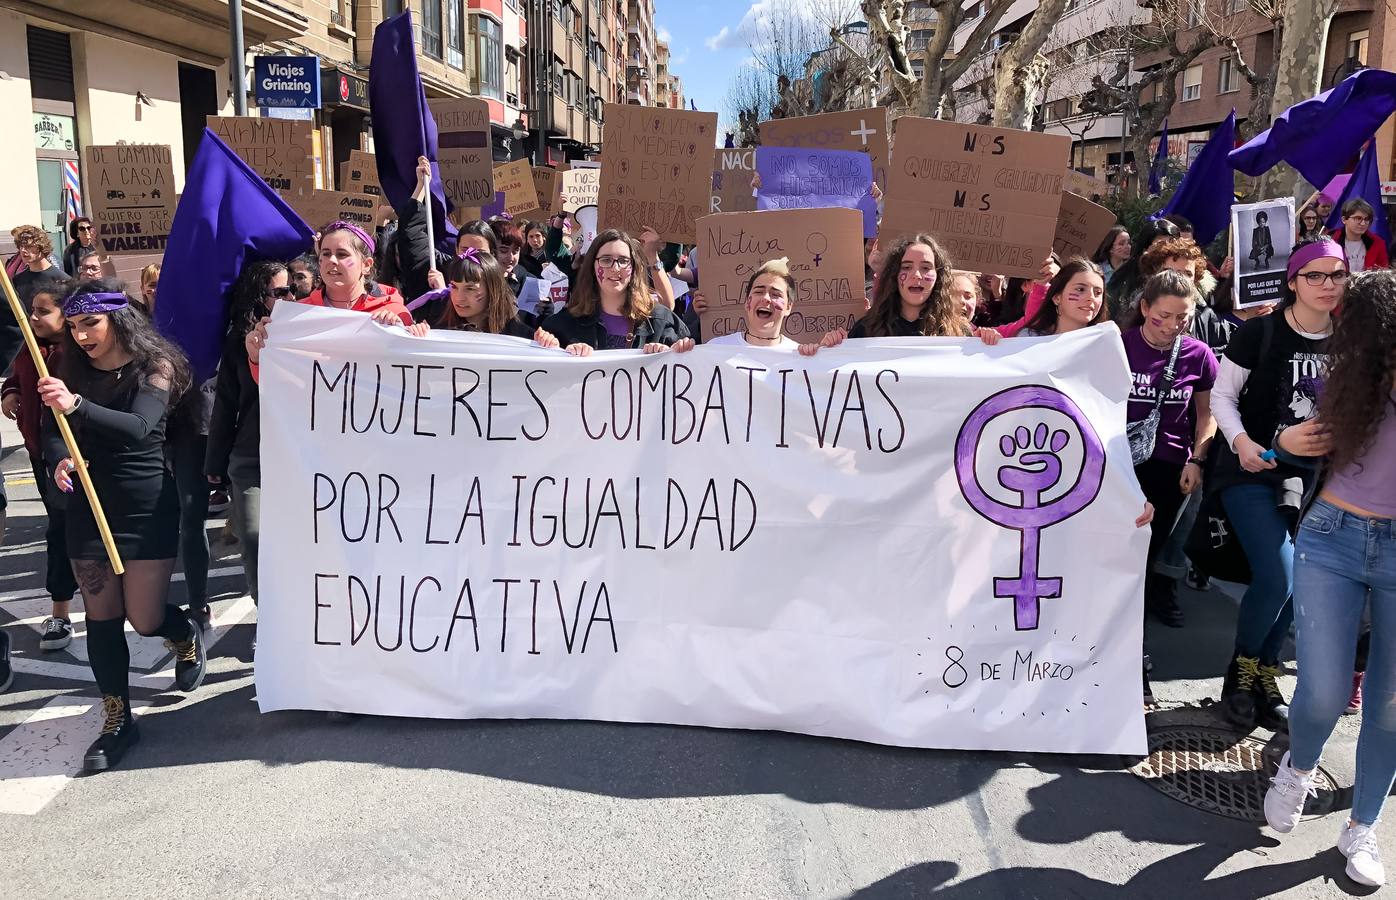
(119, 383)
(1267, 381)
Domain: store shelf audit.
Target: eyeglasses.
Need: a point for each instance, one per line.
(1317, 278)
(84, 228)
(614, 262)
(1359, 218)
(280, 293)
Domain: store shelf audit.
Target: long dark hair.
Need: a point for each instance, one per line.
(1361, 360)
(1045, 321)
(940, 315)
(585, 297)
(1102, 253)
(500, 307)
(249, 295)
(151, 355)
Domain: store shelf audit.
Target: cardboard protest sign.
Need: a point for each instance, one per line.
(1084, 185)
(546, 182)
(580, 187)
(282, 151)
(464, 154)
(816, 179)
(131, 196)
(825, 249)
(864, 130)
(732, 190)
(658, 170)
(515, 181)
(530, 505)
(360, 174)
(323, 207)
(990, 196)
(1081, 226)
(1260, 246)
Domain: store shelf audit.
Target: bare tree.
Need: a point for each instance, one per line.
(1261, 111)
(1020, 71)
(1179, 32)
(751, 95)
(1304, 27)
(927, 94)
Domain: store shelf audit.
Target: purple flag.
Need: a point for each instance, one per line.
(403, 128)
(1160, 158)
(1205, 194)
(799, 178)
(227, 217)
(1321, 135)
(1365, 184)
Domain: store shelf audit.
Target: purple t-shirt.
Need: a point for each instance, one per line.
(617, 332)
(1196, 370)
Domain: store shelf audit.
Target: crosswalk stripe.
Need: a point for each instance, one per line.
(43, 753)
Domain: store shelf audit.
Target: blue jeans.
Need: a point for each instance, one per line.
(1343, 562)
(1266, 612)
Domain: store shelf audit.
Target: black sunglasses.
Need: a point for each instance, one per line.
(280, 293)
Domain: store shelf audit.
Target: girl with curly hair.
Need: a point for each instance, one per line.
(913, 297)
(1345, 559)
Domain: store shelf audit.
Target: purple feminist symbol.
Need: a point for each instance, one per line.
(1032, 467)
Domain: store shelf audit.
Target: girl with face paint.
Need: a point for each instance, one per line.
(119, 383)
(480, 301)
(1075, 299)
(913, 296)
(1186, 427)
(612, 305)
(770, 297)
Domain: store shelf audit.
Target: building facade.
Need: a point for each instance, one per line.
(153, 73)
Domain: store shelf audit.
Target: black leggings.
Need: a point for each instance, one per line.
(59, 580)
(187, 454)
(1159, 482)
(138, 596)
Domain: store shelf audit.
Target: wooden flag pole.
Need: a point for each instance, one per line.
(22, 318)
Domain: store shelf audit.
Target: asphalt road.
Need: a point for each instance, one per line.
(220, 801)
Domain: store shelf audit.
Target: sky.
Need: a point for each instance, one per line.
(707, 42)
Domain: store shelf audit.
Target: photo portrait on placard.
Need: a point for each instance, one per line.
(1262, 236)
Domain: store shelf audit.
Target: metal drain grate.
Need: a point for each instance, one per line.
(1220, 772)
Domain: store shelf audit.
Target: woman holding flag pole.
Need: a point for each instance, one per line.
(120, 382)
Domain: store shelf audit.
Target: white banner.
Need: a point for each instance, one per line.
(916, 542)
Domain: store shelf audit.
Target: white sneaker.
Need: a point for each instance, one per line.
(1359, 844)
(1284, 801)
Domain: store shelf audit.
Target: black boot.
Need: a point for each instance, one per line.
(1272, 709)
(1161, 597)
(191, 659)
(118, 734)
(1238, 691)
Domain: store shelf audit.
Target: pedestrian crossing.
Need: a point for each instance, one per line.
(42, 754)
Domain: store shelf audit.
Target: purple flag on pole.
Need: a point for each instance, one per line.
(1321, 135)
(227, 217)
(1365, 184)
(799, 178)
(1205, 194)
(403, 128)
(1160, 158)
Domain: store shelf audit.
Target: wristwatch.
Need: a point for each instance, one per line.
(77, 401)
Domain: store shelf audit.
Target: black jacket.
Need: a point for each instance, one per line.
(662, 327)
(414, 256)
(236, 426)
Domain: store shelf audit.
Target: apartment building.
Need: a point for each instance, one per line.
(139, 72)
(1212, 85)
(668, 89)
(1079, 47)
(640, 54)
(920, 20)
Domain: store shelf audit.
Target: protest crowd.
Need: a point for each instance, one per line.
(1271, 414)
